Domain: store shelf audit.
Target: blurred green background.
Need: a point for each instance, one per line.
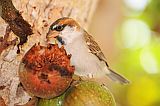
(128, 31)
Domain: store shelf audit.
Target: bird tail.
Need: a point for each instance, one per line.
(117, 77)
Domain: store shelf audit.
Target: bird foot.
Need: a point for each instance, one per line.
(77, 79)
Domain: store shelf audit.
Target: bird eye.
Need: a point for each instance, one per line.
(58, 28)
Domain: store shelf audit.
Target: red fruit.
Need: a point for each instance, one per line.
(45, 72)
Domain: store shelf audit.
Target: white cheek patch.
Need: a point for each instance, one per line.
(69, 34)
(53, 27)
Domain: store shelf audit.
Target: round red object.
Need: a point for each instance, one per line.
(46, 72)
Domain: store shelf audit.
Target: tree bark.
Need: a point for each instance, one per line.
(40, 14)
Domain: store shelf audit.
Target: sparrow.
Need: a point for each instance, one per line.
(87, 57)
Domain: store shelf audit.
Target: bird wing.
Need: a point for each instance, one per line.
(94, 47)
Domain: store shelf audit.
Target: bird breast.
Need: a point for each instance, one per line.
(86, 63)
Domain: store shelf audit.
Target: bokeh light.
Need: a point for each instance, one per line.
(134, 50)
(140, 56)
(137, 5)
(149, 61)
(135, 33)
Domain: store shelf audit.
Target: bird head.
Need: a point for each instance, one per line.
(64, 30)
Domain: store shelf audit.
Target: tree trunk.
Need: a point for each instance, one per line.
(40, 14)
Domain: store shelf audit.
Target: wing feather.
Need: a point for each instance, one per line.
(94, 47)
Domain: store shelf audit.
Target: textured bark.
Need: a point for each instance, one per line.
(40, 14)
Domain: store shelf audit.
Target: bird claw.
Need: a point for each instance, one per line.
(77, 79)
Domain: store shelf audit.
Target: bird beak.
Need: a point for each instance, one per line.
(51, 37)
(52, 34)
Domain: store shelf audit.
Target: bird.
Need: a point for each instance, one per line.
(86, 55)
